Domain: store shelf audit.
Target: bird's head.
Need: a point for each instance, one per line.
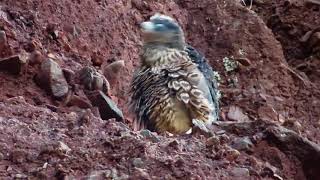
(162, 30)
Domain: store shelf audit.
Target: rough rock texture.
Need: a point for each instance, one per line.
(51, 78)
(275, 82)
(107, 108)
(13, 64)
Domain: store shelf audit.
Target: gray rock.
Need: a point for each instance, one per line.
(62, 147)
(137, 162)
(232, 154)
(13, 64)
(240, 172)
(149, 135)
(220, 132)
(103, 174)
(213, 141)
(51, 78)
(224, 139)
(112, 71)
(107, 108)
(36, 58)
(236, 114)
(3, 40)
(92, 80)
(20, 176)
(140, 174)
(242, 144)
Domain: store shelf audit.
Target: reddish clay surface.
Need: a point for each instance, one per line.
(279, 82)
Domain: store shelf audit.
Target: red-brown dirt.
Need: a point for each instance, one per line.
(41, 138)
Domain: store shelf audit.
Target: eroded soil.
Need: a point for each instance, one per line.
(277, 81)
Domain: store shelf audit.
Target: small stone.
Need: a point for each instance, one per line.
(213, 141)
(51, 78)
(113, 174)
(85, 117)
(149, 135)
(45, 165)
(268, 170)
(242, 144)
(220, 132)
(9, 168)
(21, 176)
(63, 148)
(236, 114)
(92, 80)
(3, 40)
(281, 118)
(71, 117)
(174, 144)
(240, 172)
(107, 108)
(232, 155)
(200, 128)
(13, 64)
(140, 174)
(36, 58)
(101, 174)
(257, 137)
(111, 71)
(52, 56)
(96, 58)
(224, 139)
(137, 162)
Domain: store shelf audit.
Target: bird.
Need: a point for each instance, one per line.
(174, 88)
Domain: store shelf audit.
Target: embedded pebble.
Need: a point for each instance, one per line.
(240, 172)
(213, 141)
(51, 78)
(137, 162)
(148, 134)
(242, 143)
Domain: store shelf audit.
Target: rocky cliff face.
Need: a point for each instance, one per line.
(56, 122)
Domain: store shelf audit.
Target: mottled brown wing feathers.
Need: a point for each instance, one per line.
(158, 93)
(185, 85)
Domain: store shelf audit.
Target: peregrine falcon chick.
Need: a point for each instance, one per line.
(174, 85)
